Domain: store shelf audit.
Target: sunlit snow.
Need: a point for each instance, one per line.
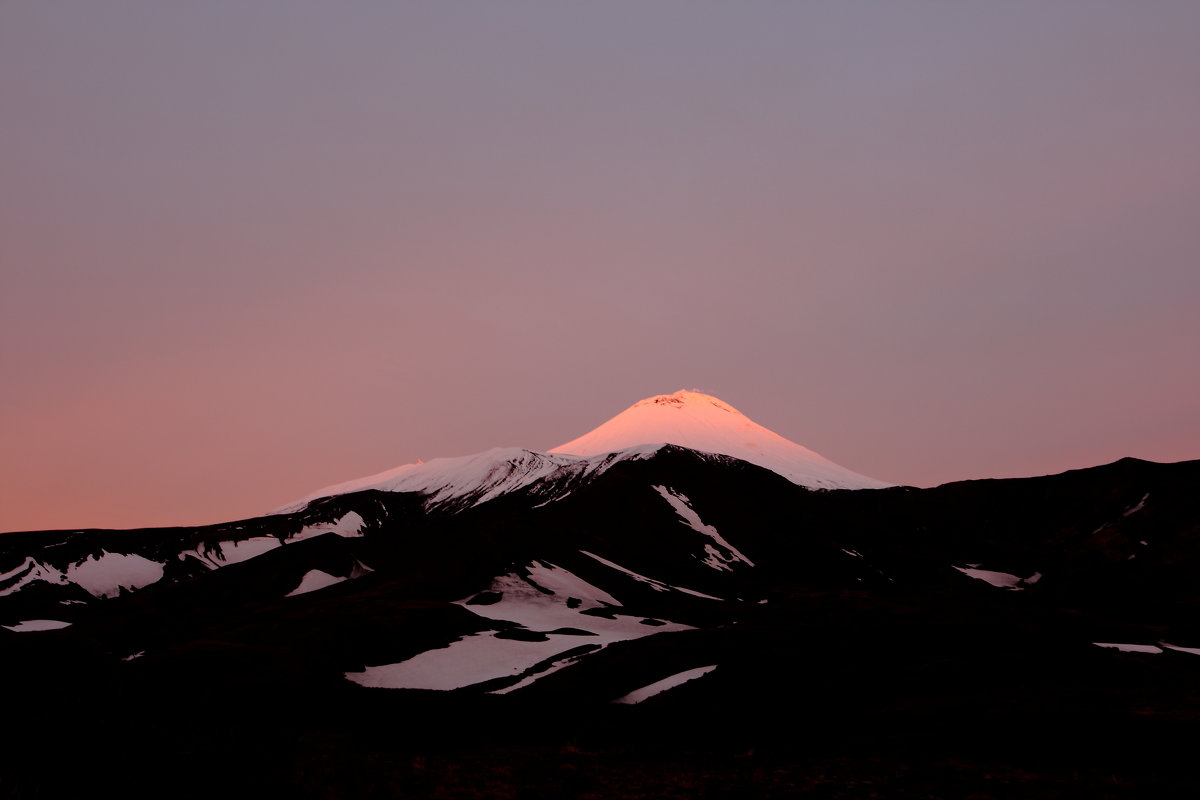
(702, 422)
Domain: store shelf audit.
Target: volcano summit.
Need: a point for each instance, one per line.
(698, 421)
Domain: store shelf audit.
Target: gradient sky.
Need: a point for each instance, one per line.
(250, 249)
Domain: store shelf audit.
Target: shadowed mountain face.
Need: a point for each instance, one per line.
(659, 601)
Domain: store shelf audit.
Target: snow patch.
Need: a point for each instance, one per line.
(1002, 580)
(37, 625)
(658, 687)
(472, 659)
(107, 575)
(314, 579)
(523, 603)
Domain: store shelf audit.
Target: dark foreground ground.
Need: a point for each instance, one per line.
(422, 745)
(328, 766)
(569, 773)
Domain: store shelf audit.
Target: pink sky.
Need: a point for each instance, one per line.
(247, 252)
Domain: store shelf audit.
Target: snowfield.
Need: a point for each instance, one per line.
(491, 655)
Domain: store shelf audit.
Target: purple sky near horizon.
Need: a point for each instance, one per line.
(248, 250)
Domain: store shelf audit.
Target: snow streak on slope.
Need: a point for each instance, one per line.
(1130, 648)
(714, 557)
(653, 583)
(29, 572)
(658, 687)
(702, 422)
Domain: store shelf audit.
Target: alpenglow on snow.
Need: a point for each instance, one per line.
(687, 418)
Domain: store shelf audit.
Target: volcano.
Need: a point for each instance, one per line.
(654, 589)
(688, 419)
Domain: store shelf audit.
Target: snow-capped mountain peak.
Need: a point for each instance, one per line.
(699, 421)
(687, 418)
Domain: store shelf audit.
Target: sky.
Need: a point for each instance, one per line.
(251, 249)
